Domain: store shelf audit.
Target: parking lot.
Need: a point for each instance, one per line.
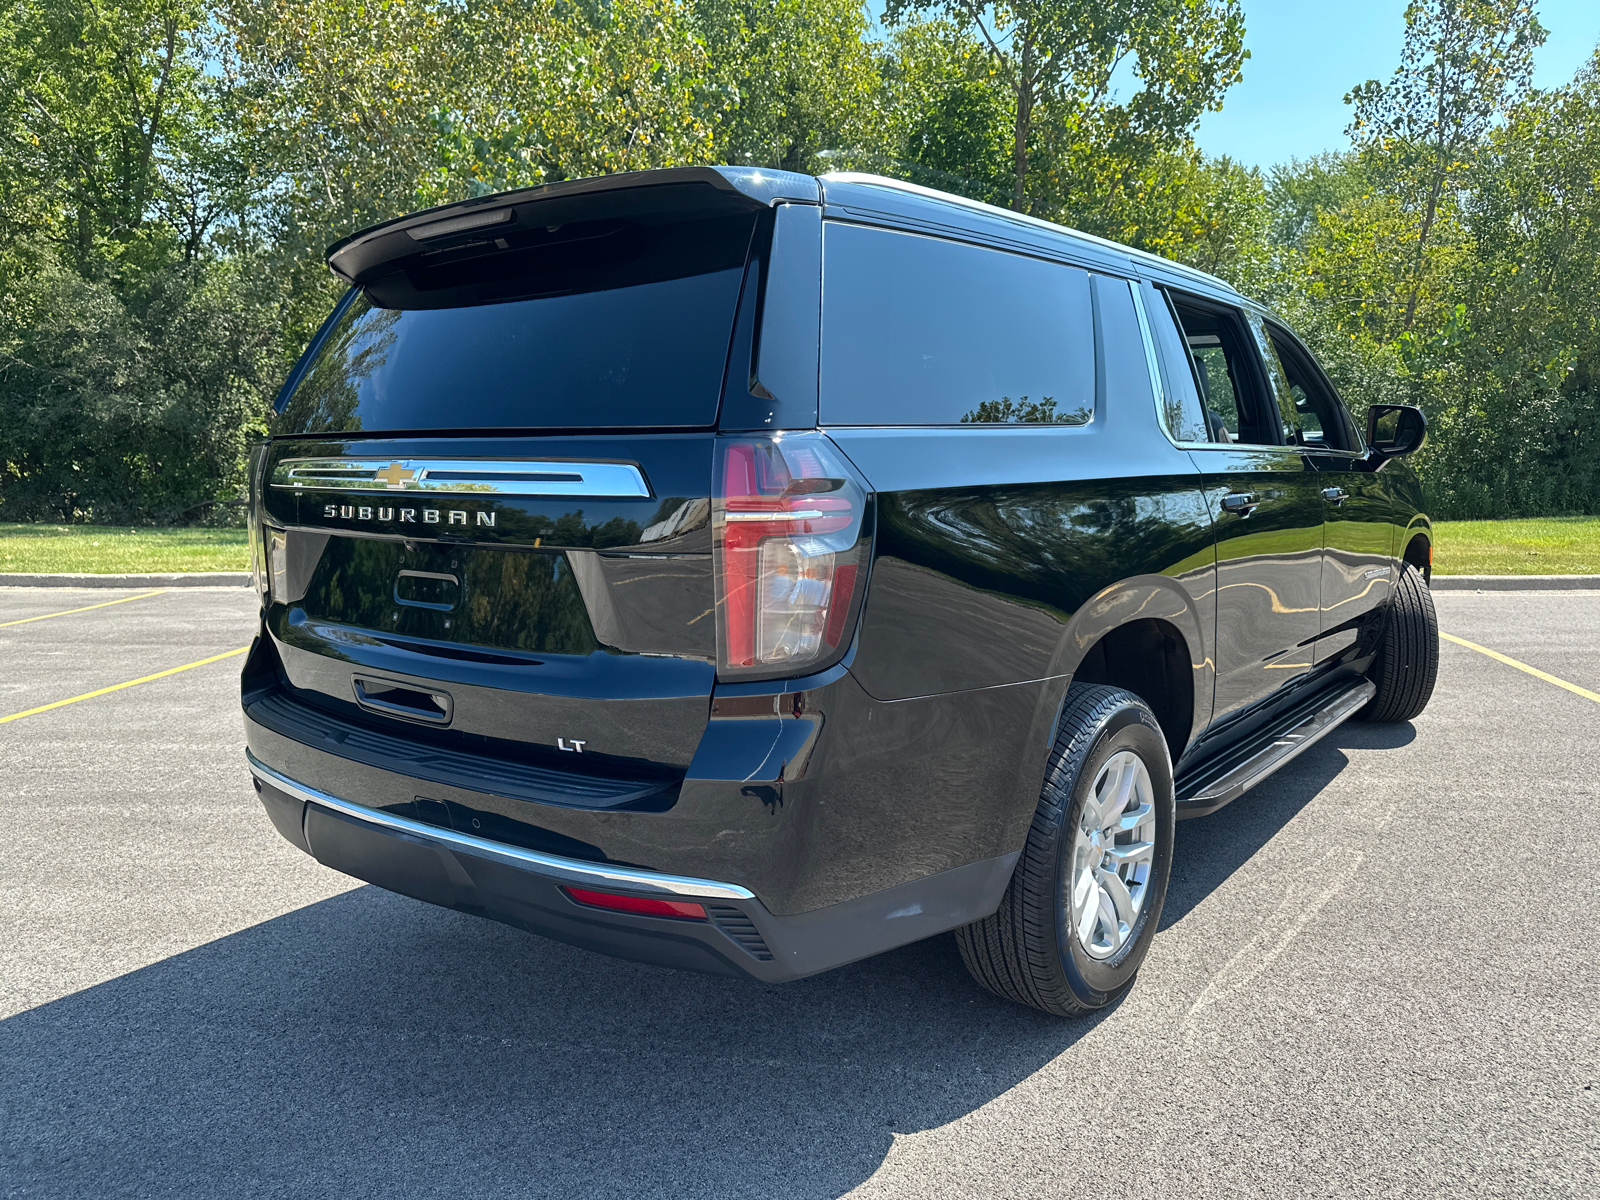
(1377, 976)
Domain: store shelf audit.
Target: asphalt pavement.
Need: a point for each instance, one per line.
(1376, 976)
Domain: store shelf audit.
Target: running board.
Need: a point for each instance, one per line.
(1232, 774)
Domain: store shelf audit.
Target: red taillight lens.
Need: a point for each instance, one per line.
(788, 518)
(643, 906)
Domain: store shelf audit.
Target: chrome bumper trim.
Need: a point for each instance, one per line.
(566, 870)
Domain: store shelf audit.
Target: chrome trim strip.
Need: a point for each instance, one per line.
(1151, 361)
(567, 870)
(461, 477)
(799, 515)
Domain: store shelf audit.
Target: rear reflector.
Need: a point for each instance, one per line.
(643, 906)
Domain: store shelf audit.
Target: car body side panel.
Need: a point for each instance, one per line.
(994, 567)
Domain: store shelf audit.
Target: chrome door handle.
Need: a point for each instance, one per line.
(1335, 495)
(1241, 503)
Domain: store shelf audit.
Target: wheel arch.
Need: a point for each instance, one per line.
(1417, 546)
(1145, 635)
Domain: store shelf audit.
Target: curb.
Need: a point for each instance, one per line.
(1515, 583)
(188, 579)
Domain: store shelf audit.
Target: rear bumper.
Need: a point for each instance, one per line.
(522, 887)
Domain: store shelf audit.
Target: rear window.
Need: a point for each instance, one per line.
(921, 331)
(605, 324)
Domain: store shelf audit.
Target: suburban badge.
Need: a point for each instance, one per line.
(407, 516)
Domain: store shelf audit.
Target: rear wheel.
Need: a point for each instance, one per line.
(1086, 898)
(1408, 658)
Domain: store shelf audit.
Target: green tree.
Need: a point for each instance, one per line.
(947, 113)
(1057, 60)
(800, 77)
(133, 407)
(1464, 63)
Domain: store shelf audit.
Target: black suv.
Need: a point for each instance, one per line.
(751, 572)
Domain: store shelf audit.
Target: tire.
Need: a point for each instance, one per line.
(1407, 665)
(1032, 950)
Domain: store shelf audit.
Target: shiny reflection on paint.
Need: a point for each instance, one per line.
(974, 587)
(1278, 606)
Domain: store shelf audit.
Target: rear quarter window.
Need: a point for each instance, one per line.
(918, 330)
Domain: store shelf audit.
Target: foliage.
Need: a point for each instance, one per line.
(800, 75)
(1073, 145)
(103, 417)
(171, 172)
(1464, 63)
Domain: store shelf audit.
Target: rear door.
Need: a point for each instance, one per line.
(1265, 502)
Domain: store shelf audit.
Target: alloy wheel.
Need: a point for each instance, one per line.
(1112, 855)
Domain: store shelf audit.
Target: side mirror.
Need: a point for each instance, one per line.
(1394, 430)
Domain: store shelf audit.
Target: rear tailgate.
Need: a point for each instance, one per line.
(486, 505)
(551, 625)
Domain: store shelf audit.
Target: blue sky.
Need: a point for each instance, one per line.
(1305, 56)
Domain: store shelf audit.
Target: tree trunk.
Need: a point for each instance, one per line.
(1024, 123)
(1429, 215)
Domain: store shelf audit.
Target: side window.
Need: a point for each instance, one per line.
(1319, 414)
(1181, 412)
(917, 330)
(1227, 370)
(1278, 381)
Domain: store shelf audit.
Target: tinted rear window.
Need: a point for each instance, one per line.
(922, 331)
(622, 323)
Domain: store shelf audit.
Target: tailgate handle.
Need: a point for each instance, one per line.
(404, 701)
(435, 590)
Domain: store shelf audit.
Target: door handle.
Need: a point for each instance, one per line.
(399, 700)
(1335, 495)
(1240, 503)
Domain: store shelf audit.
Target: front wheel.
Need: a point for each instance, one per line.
(1407, 665)
(1084, 903)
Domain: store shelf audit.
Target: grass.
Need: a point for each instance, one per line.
(1539, 546)
(1543, 546)
(114, 550)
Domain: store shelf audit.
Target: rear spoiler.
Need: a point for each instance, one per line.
(363, 256)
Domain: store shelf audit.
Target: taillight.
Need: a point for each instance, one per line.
(790, 534)
(253, 510)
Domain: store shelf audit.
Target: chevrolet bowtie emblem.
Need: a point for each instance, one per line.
(395, 476)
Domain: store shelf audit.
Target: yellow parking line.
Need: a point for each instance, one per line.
(68, 612)
(1522, 666)
(117, 687)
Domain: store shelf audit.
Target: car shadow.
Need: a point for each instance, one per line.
(1207, 850)
(370, 1045)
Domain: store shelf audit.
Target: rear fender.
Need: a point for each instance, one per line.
(1143, 598)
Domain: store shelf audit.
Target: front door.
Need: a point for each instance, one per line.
(1358, 566)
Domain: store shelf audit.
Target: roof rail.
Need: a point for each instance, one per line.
(1006, 214)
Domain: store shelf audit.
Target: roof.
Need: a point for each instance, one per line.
(362, 255)
(843, 186)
